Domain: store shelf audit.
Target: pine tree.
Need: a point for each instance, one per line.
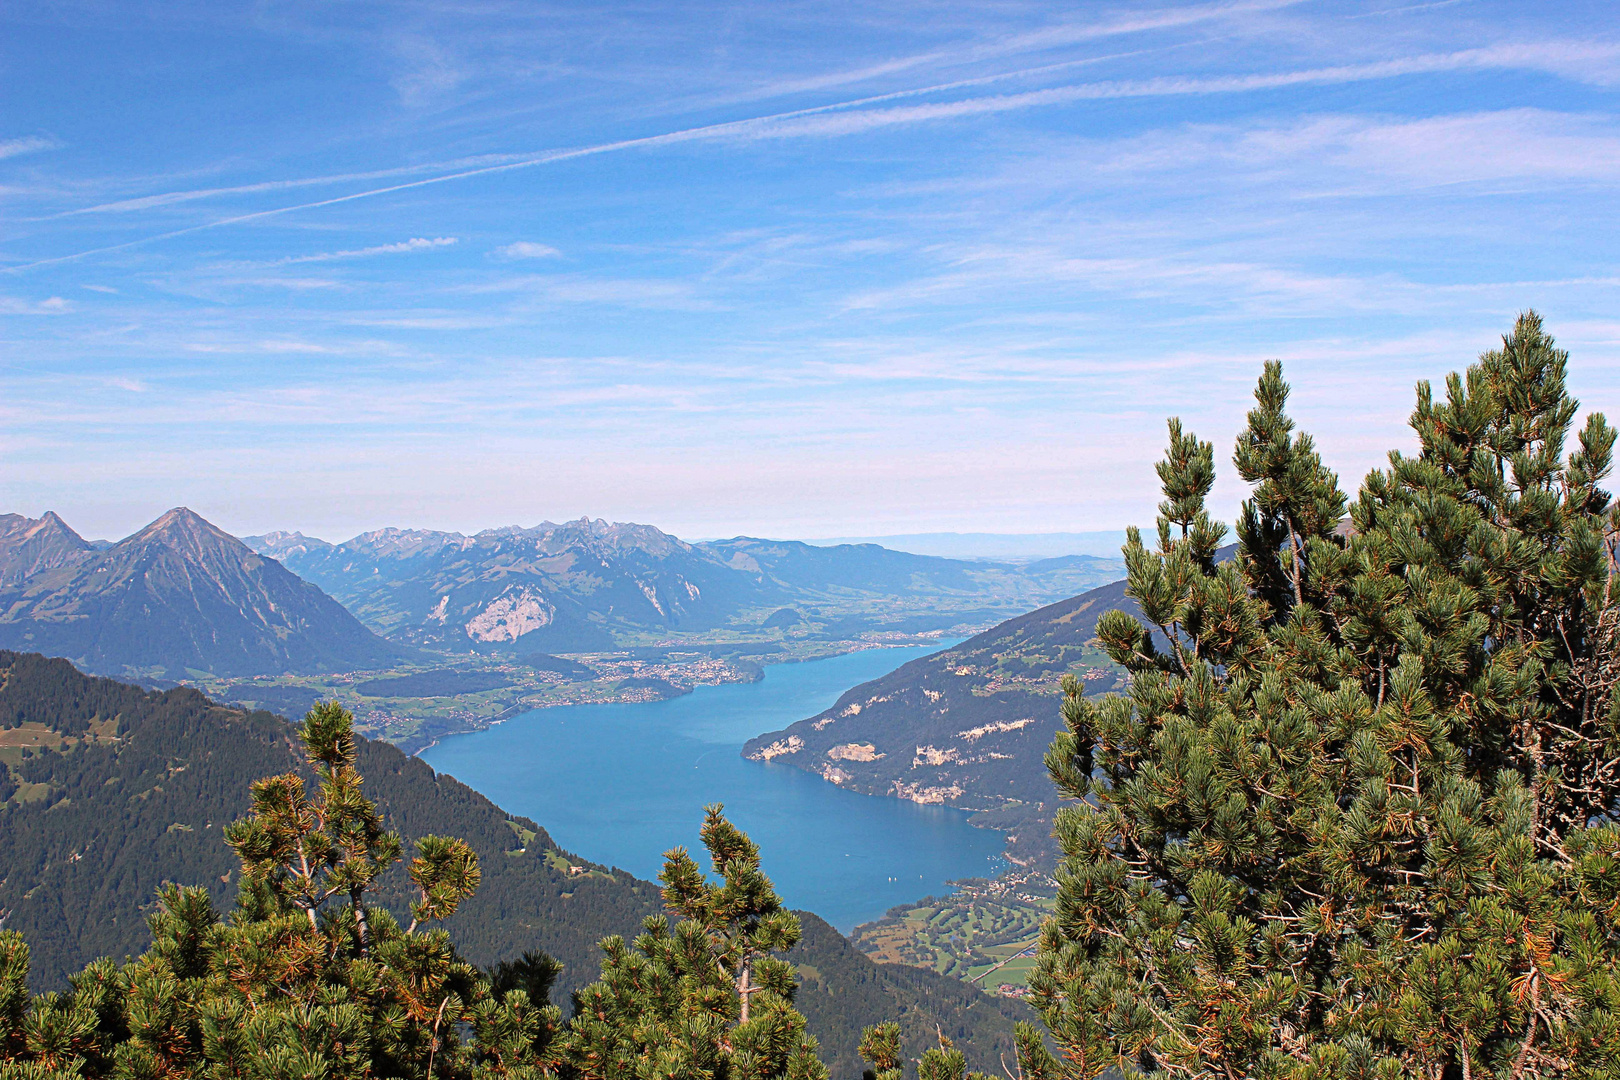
(1356, 815)
(306, 981)
(880, 1045)
(703, 998)
(292, 986)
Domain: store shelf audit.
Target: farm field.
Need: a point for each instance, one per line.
(983, 933)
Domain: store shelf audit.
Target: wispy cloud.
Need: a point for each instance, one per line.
(1323, 155)
(950, 263)
(30, 144)
(404, 246)
(1589, 62)
(170, 198)
(298, 284)
(54, 305)
(527, 249)
(1594, 62)
(614, 292)
(1054, 36)
(285, 346)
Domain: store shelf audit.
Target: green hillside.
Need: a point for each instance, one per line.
(108, 791)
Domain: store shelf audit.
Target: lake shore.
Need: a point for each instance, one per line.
(621, 784)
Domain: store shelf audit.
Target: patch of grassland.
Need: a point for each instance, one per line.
(979, 933)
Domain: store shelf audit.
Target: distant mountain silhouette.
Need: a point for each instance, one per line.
(180, 594)
(30, 546)
(584, 585)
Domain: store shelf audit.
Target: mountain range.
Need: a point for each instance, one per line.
(558, 588)
(593, 585)
(178, 596)
(996, 547)
(182, 597)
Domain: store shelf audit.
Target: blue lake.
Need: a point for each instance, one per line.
(622, 784)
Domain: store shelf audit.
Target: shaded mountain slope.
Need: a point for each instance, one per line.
(107, 791)
(30, 546)
(181, 594)
(842, 990)
(126, 789)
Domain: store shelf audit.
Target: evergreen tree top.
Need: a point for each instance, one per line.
(1356, 816)
(308, 980)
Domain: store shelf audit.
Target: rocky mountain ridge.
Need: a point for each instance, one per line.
(591, 585)
(178, 595)
(30, 546)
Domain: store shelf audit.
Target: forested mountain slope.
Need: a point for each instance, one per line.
(181, 595)
(109, 790)
(968, 726)
(590, 585)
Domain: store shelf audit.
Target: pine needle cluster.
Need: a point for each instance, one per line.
(1356, 815)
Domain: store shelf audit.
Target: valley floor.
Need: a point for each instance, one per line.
(416, 720)
(984, 932)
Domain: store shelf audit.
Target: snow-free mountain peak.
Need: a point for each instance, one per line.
(183, 594)
(29, 546)
(281, 545)
(185, 531)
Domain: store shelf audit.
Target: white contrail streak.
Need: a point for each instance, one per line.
(850, 117)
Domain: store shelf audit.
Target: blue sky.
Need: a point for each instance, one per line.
(789, 269)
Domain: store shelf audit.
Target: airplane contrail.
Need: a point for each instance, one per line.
(544, 158)
(860, 117)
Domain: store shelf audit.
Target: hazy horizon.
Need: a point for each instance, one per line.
(783, 270)
(1014, 547)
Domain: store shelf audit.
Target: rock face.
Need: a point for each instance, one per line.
(556, 588)
(966, 727)
(182, 594)
(30, 546)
